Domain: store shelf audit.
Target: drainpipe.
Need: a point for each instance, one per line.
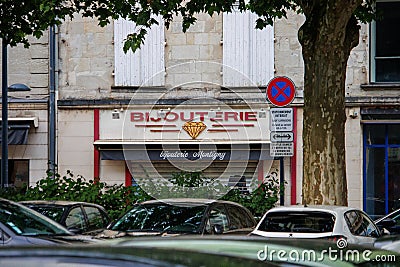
(52, 102)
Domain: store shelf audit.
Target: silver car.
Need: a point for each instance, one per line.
(328, 222)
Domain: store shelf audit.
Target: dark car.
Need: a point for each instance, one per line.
(106, 256)
(390, 222)
(253, 249)
(388, 242)
(183, 216)
(20, 225)
(78, 217)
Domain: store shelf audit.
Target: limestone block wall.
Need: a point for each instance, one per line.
(75, 142)
(299, 155)
(86, 59)
(87, 56)
(354, 159)
(29, 66)
(288, 56)
(201, 42)
(358, 65)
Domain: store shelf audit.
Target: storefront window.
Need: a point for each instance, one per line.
(382, 168)
(374, 135)
(394, 178)
(394, 134)
(375, 182)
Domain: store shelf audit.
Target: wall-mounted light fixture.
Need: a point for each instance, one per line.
(18, 87)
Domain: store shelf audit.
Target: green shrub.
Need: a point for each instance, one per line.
(261, 199)
(258, 201)
(117, 199)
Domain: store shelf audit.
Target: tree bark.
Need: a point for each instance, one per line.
(328, 35)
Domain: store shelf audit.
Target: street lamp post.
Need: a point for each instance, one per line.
(18, 87)
(4, 117)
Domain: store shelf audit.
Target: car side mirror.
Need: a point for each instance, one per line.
(75, 230)
(218, 229)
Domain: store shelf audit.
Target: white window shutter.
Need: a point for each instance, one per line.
(146, 66)
(248, 53)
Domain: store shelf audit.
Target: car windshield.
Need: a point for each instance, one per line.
(23, 221)
(53, 212)
(305, 222)
(162, 218)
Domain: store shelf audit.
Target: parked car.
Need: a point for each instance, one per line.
(388, 242)
(183, 216)
(390, 222)
(254, 249)
(20, 225)
(333, 222)
(117, 256)
(78, 217)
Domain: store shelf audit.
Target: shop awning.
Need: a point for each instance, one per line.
(129, 150)
(18, 129)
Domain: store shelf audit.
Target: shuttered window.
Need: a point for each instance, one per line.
(146, 66)
(248, 53)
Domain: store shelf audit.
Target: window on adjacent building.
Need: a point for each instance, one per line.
(248, 53)
(385, 43)
(381, 168)
(145, 67)
(18, 172)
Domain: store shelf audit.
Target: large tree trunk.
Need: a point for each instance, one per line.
(328, 35)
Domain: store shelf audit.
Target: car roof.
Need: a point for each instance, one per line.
(326, 208)
(56, 202)
(188, 201)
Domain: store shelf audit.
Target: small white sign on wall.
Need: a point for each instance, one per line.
(281, 119)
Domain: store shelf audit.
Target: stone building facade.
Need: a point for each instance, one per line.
(99, 97)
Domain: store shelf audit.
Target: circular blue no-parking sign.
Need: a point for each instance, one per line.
(281, 91)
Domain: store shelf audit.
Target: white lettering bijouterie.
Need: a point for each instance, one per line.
(189, 116)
